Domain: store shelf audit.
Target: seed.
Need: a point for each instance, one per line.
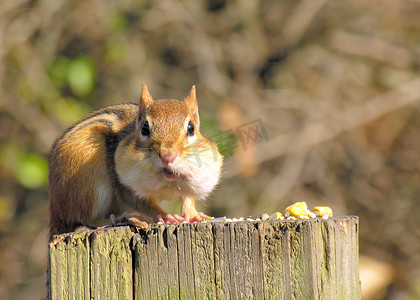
(298, 209)
(276, 216)
(311, 215)
(323, 211)
(218, 220)
(265, 217)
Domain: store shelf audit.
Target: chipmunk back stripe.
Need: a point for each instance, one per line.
(101, 121)
(117, 116)
(116, 110)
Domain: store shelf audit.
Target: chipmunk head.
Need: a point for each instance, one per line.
(167, 157)
(168, 125)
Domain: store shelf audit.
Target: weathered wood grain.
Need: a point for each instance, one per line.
(69, 267)
(91, 265)
(111, 264)
(292, 259)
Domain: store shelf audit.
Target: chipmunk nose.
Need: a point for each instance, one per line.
(167, 155)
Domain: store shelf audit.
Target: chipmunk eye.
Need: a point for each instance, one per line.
(145, 130)
(190, 129)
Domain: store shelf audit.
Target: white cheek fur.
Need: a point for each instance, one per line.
(202, 176)
(140, 178)
(191, 139)
(146, 180)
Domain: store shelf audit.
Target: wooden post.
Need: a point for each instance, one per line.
(291, 259)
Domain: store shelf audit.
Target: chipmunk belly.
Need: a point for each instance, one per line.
(104, 200)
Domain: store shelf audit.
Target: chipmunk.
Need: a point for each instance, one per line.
(127, 158)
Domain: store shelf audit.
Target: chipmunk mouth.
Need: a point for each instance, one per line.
(172, 174)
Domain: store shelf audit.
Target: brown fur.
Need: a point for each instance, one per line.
(88, 160)
(79, 155)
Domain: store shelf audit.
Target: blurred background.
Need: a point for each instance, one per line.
(310, 100)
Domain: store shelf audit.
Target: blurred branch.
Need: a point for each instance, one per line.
(315, 133)
(371, 47)
(300, 19)
(30, 118)
(200, 44)
(296, 149)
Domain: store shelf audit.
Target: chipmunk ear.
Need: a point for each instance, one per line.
(191, 102)
(191, 99)
(145, 101)
(145, 98)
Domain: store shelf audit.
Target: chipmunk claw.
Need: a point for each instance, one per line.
(127, 219)
(170, 219)
(113, 221)
(199, 217)
(133, 221)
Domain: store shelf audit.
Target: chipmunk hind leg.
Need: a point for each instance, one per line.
(79, 182)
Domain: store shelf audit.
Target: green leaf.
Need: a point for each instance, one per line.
(116, 50)
(32, 171)
(225, 140)
(116, 22)
(81, 76)
(58, 71)
(68, 110)
(25, 91)
(226, 143)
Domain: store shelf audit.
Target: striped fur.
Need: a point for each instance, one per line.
(102, 165)
(82, 163)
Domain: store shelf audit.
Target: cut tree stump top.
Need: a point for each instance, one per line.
(289, 259)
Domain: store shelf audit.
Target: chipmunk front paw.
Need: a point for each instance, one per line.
(199, 217)
(170, 219)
